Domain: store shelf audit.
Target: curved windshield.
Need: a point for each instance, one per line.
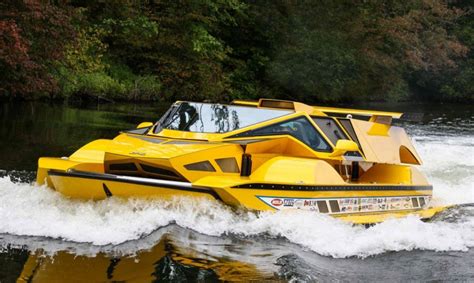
(214, 118)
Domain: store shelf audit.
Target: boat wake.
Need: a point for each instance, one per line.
(28, 210)
(38, 211)
(448, 162)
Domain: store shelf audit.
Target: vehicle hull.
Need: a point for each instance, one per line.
(362, 204)
(85, 185)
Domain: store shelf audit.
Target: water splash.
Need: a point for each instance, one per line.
(113, 221)
(448, 162)
(30, 210)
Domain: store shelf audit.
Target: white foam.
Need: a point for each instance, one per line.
(448, 162)
(38, 211)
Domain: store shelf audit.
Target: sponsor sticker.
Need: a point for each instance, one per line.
(288, 202)
(276, 202)
(345, 205)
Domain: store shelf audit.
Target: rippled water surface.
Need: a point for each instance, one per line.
(46, 237)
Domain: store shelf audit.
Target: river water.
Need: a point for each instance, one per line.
(45, 237)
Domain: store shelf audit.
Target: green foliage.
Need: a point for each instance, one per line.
(225, 49)
(86, 53)
(117, 82)
(316, 66)
(136, 30)
(207, 45)
(87, 71)
(145, 88)
(99, 83)
(96, 83)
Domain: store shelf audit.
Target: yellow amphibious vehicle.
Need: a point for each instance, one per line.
(265, 155)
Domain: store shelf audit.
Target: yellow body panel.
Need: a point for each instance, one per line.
(288, 170)
(280, 170)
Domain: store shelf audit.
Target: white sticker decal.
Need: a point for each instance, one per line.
(347, 205)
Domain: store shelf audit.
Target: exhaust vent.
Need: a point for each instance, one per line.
(123, 167)
(142, 170)
(228, 165)
(200, 166)
(246, 165)
(160, 171)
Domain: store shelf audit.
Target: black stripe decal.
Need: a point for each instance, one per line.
(109, 177)
(281, 187)
(107, 192)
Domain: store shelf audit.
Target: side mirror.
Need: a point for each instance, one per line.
(343, 146)
(144, 125)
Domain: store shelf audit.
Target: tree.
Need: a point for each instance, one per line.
(33, 34)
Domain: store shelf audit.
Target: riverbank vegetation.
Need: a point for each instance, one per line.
(314, 51)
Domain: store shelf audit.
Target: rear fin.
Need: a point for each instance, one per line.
(381, 125)
(358, 112)
(286, 104)
(280, 104)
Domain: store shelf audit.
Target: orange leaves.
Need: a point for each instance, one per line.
(419, 37)
(32, 36)
(13, 48)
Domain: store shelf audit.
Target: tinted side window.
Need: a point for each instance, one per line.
(346, 123)
(331, 129)
(299, 128)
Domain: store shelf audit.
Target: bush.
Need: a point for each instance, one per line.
(100, 84)
(91, 84)
(146, 88)
(116, 81)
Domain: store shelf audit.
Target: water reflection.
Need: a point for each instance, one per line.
(181, 255)
(34, 129)
(175, 256)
